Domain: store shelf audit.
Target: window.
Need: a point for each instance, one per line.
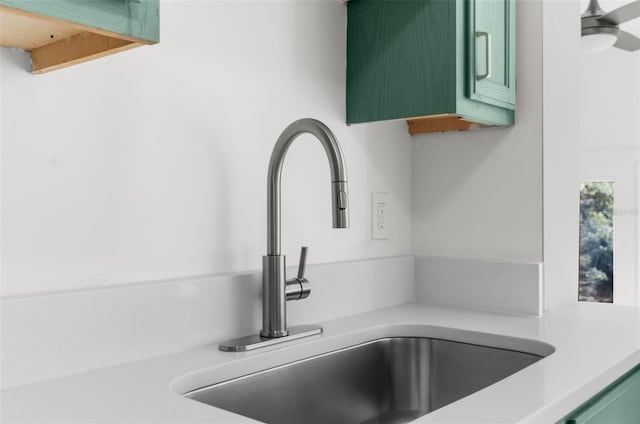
(596, 242)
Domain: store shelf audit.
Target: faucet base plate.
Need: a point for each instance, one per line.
(255, 341)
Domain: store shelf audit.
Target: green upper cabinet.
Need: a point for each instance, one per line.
(617, 404)
(60, 33)
(440, 64)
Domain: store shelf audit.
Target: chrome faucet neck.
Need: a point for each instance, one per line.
(276, 288)
(338, 177)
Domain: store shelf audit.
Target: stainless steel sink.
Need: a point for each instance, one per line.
(391, 380)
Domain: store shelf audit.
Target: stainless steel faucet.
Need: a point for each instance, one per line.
(276, 289)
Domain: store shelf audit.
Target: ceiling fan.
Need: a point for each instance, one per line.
(601, 30)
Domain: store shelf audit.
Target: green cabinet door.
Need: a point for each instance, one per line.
(414, 60)
(400, 59)
(491, 65)
(617, 404)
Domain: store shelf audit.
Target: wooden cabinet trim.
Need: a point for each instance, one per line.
(440, 123)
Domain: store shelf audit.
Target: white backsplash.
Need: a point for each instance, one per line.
(49, 336)
(494, 286)
(63, 333)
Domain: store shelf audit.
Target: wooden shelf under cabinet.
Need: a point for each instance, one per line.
(56, 43)
(440, 123)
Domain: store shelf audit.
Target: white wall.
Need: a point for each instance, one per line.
(561, 123)
(479, 193)
(510, 193)
(610, 147)
(151, 164)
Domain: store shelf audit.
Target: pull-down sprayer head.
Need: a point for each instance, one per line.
(340, 204)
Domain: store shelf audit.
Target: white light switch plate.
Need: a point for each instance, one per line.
(380, 216)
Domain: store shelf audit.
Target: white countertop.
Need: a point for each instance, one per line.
(594, 344)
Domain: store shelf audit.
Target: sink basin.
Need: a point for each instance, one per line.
(389, 380)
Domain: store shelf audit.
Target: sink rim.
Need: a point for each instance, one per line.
(244, 364)
(333, 352)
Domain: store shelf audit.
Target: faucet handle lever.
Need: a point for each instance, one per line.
(299, 288)
(303, 262)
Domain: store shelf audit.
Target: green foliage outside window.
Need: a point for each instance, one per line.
(596, 242)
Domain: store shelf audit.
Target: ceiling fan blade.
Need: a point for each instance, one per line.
(623, 14)
(628, 42)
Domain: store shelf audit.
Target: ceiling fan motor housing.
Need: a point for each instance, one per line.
(596, 21)
(593, 25)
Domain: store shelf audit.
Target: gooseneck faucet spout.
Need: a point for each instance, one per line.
(338, 177)
(276, 288)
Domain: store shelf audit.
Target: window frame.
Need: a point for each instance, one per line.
(626, 242)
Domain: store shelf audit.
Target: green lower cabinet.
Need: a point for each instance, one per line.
(431, 59)
(617, 404)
